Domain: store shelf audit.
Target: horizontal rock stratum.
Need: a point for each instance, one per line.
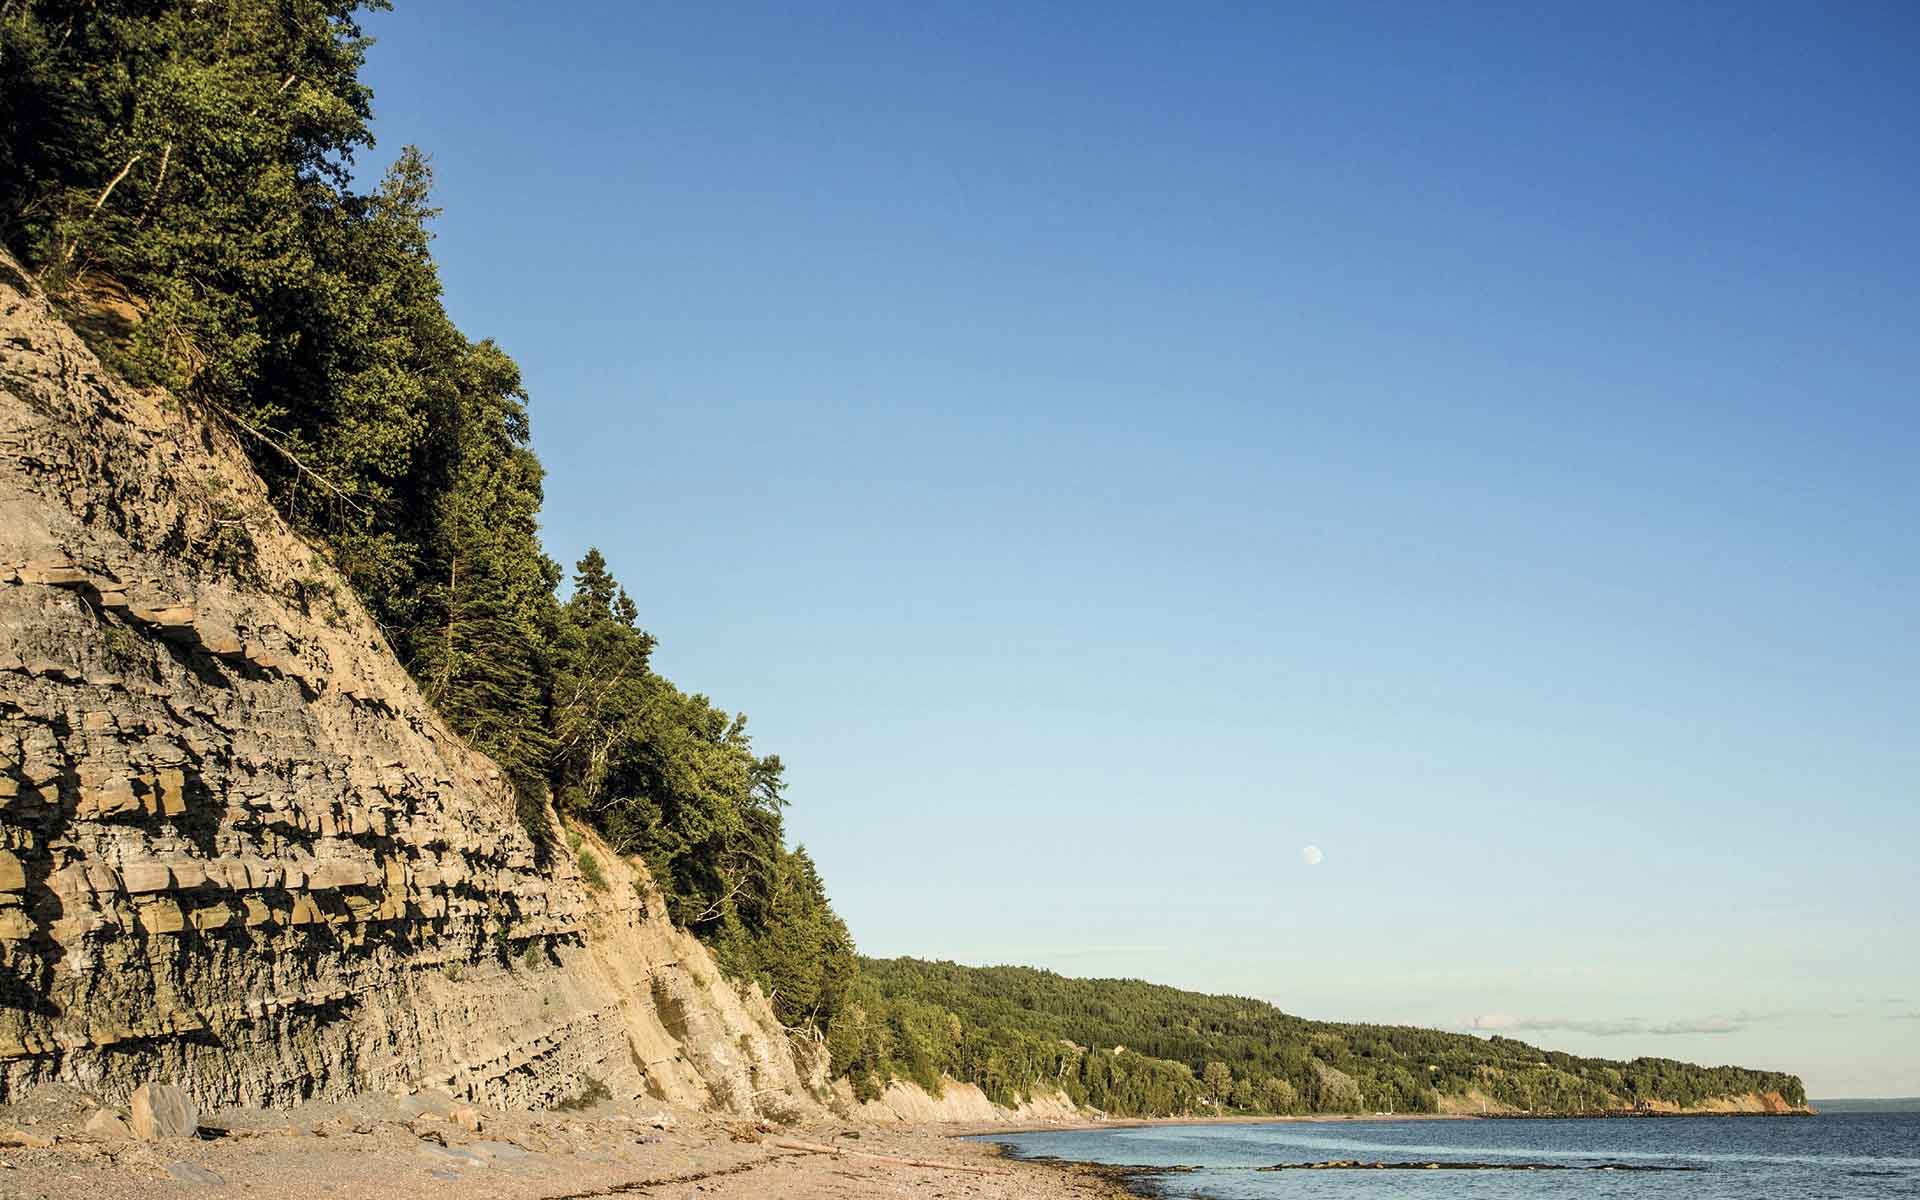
(239, 852)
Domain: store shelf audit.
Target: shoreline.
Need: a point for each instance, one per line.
(980, 1130)
(1139, 1182)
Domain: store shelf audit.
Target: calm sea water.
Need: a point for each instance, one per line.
(1840, 1156)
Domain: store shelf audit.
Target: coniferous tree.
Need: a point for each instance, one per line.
(176, 172)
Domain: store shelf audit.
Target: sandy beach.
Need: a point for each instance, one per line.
(433, 1147)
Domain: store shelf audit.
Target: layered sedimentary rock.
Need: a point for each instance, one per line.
(958, 1102)
(239, 852)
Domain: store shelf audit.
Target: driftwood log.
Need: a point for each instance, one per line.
(896, 1160)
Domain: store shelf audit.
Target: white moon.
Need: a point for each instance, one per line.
(1311, 856)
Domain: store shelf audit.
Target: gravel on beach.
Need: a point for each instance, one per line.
(431, 1146)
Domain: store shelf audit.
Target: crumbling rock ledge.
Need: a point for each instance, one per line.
(240, 853)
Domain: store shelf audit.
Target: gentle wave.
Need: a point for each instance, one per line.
(1243, 1139)
(1407, 1150)
(1852, 1157)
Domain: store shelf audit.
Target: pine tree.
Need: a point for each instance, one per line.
(179, 178)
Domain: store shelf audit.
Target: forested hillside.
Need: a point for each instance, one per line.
(179, 176)
(1140, 1049)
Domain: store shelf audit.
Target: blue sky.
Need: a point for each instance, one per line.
(1109, 448)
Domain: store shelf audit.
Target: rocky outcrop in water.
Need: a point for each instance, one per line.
(239, 852)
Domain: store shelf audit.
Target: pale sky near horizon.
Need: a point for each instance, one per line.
(1108, 449)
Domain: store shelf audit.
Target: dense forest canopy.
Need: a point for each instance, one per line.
(1142, 1049)
(179, 177)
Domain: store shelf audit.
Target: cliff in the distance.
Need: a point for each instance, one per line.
(1744, 1104)
(240, 852)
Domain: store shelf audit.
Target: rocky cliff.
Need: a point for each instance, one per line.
(957, 1103)
(240, 852)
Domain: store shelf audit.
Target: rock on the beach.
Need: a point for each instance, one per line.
(163, 1111)
(455, 1155)
(106, 1123)
(187, 1172)
(430, 1103)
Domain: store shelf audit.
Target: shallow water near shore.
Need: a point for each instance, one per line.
(1841, 1156)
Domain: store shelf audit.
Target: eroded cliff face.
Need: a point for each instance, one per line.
(958, 1103)
(239, 850)
(1477, 1103)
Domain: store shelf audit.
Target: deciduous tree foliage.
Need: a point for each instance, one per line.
(1140, 1049)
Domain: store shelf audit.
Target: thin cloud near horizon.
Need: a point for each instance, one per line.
(1503, 1023)
(1020, 957)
